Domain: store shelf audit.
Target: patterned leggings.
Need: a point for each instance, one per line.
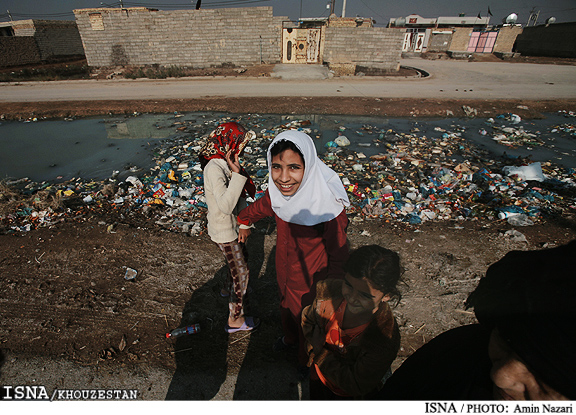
(238, 274)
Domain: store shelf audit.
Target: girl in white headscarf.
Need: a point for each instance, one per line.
(308, 201)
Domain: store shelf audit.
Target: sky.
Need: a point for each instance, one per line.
(380, 10)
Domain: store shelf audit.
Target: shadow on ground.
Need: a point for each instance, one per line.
(241, 366)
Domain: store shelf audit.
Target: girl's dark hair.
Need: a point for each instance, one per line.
(379, 265)
(282, 145)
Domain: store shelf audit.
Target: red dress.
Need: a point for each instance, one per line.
(304, 256)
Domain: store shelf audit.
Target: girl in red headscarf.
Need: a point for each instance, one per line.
(226, 185)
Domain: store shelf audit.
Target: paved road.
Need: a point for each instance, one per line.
(448, 79)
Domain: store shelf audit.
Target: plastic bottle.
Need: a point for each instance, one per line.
(182, 331)
(504, 215)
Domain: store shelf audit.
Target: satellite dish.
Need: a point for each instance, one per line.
(400, 21)
(512, 18)
(550, 20)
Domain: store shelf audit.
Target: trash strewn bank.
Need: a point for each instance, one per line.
(407, 176)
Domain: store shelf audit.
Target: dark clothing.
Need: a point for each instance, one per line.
(452, 366)
(359, 368)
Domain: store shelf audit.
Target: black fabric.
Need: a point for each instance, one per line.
(529, 296)
(547, 351)
(452, 366)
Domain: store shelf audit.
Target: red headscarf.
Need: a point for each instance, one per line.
(228, 136)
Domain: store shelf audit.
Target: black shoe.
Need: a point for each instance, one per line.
(280, 346)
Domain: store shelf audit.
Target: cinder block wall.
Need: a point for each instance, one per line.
(191, 38)
(439, 42)
(18, 51)
(460, 39)
(506, 39)
(556, 40)
(24, 28)
(373, 47)
(55, 38)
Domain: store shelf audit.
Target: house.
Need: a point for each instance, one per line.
(436, 34)
(35, 41)
(458, 36)
(345, 44)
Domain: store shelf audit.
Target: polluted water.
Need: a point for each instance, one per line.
(403, 169)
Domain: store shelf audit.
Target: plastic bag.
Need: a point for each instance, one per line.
(530, 172)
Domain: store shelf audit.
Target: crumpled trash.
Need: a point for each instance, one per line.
(515, 236)
(520, 220)
(130, 274)
(415, 176)
(342, 141)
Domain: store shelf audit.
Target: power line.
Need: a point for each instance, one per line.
(372, 10)
(39, 15)
(188, 4)
(70, 14)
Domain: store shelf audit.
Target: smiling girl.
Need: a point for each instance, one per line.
(307, 200)
(352, 335)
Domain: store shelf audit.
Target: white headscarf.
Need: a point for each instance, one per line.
(321, 195)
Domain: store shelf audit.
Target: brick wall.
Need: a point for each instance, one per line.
(460, 39)
(192, 38)
(335, 21)
(52, 39)
(372, 47)
(506, 39)
(58, 39)
(18, 51)
(439, 42)
(555, 40)
(24, 28)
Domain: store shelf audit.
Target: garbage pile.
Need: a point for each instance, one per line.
(413, 177)
(419, 178)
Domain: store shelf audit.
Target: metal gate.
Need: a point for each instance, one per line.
(413, 40)
(482, 42)
(300, 45)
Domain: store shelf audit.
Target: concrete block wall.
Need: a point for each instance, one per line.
(439, 42)
(190, 38)
(18, 51)
(555, 40)
(53, 38)
(460, 39)
(58, 39)
(506, 38)
(372, 47)
(24, 28)
(335, 21)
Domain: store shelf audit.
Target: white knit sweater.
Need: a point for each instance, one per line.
(222, 189)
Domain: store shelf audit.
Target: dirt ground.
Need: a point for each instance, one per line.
(64, 296)
(65, 299)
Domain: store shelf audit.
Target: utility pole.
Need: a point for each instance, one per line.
(332, 4)
(344, 9)
(533, 17)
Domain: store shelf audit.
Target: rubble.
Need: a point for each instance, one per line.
(413, 177)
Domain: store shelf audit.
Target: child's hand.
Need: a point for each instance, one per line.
(243, 235)
(233, 162)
